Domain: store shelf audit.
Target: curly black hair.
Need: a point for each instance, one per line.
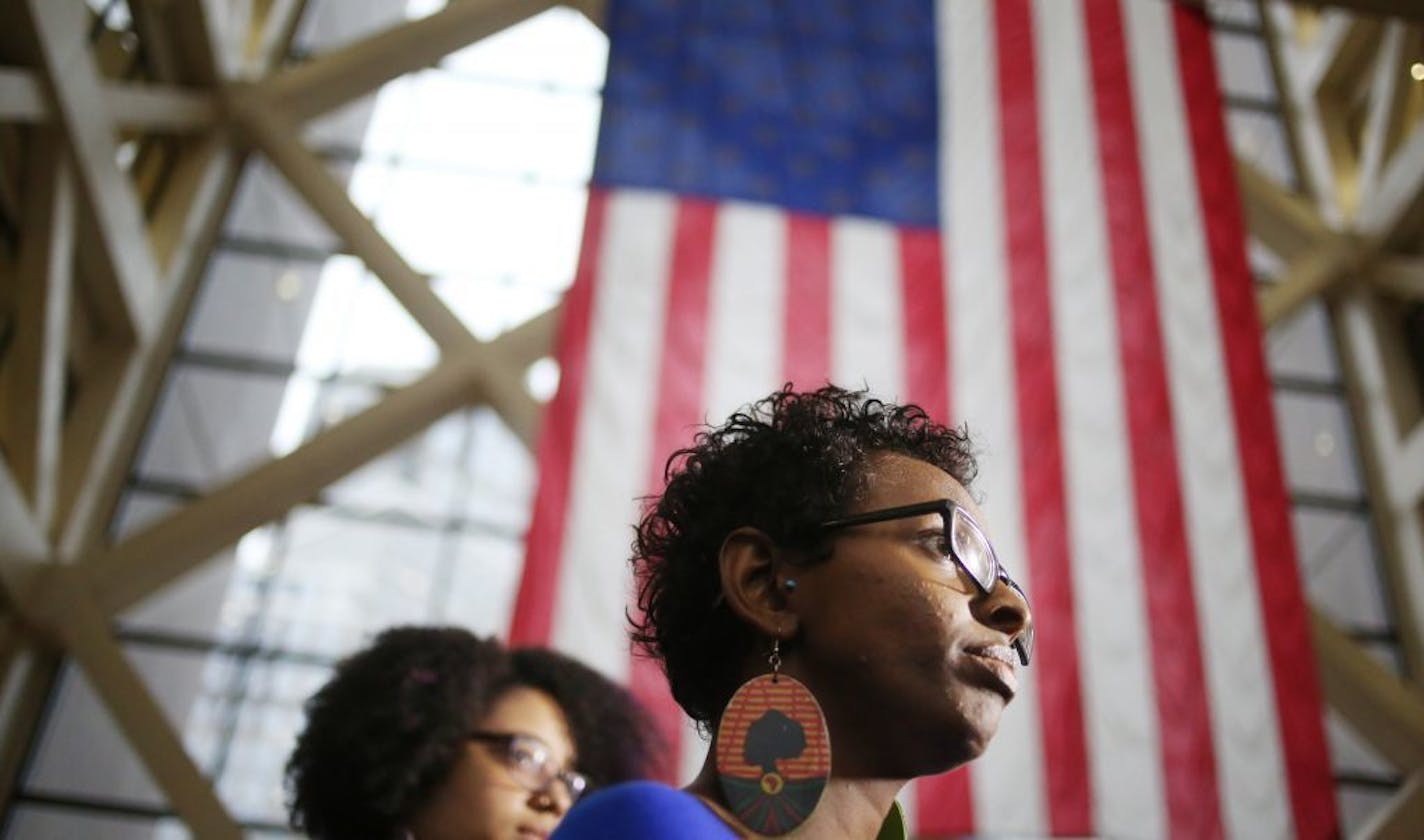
(782, 465)
(388, 727)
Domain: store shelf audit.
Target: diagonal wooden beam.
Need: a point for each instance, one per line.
(1379, 707)
(32, 378)
(345, 74)
(1310, 274)
(20, 534)
(1402, 818)
(21, 97)
(61, 602)
(1378, 8)
(1384, 82)
(595, 10)
(1401, 277)
(169, 548)
(270, 27)
(277, 138)
(183, 40)
(78, 101)
(1400, 193)
(1369, 366)
(27, 683)
(109, 416)
(137, 106)
(1283, 221)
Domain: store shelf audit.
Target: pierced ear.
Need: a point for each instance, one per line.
(749, 561)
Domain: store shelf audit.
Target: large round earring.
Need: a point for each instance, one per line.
(773, 751)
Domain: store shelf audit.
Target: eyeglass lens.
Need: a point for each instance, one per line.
(973, 549)
(534, 768)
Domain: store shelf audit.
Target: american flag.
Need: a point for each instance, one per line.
(1018, 214)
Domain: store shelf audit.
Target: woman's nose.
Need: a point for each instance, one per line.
(1005, 609)
(550, 800)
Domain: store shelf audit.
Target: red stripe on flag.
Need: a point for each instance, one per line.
(1188, 756)
(533, 616)
(678, 407)
(926, 329)
(807, 352)
(945, 803)
(1065, 753)
(1282, 607)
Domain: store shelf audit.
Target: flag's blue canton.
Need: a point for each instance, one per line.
(824, 106)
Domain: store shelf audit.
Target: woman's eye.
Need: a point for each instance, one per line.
(937, 543)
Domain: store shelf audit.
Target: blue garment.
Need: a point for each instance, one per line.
(642, 811)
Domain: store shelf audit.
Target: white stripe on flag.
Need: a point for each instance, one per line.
(867, 330)
(611, 455)
(744, 326)
(1244, 727)
(1117, 682)
(1008, 779)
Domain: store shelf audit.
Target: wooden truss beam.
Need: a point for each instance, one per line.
(1402, 817)
(1285, 223)
(106, 427)
(1378, 8)
(158, 554)
(32, 379)
(78, 101)
(133, 106)
(61, 603)
(277, 138)
(1388, 716)
(345, 74)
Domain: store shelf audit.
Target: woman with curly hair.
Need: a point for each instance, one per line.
(433, 733)
(818, 585)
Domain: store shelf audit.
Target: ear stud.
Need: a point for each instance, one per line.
(790, 585)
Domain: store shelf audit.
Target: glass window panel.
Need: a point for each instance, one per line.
(460, 122)
(343, 126)
(1350, 754)
(340, 579)
(459, 223)
(560, 47)
(489, 307)
(1317, 444)
(1265, 264)
(1359, 806)
(80, 751)
(265, 733)
(1341, 575)
(329, 24)
(1261, 140)
(1304, 346)
(1241, 12)
(266, 209)
(378, 335)
(502, 476)
(210, 425)
(274, 296)
(137, 509)
(420, 479)
(1243, 65)
(483, 582)
(33, 821)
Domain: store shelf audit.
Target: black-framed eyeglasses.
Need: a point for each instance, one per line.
(531, 763)
(964, 543)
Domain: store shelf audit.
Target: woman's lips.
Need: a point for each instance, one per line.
(997, 661)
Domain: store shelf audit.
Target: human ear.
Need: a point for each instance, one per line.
(748, 562)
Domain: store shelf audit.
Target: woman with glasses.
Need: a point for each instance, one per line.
(432, 733)
(821, 589)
